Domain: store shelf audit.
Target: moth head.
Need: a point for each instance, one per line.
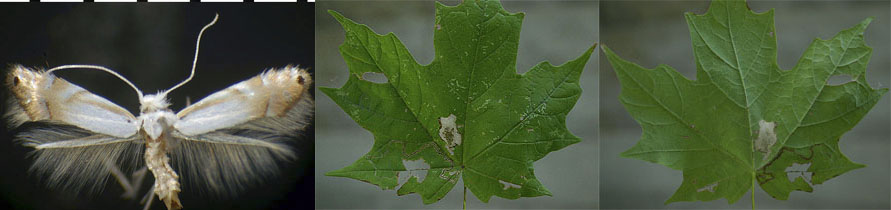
(153, 102)
(22, 80)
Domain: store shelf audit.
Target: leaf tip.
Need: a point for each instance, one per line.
(860, 27)
(610, 55)
(863, 24)
(672, 200)
(328, 90)
(626, 154)
(334, 13)
(604, 48)
(858, 165)
(591, 49)
(867, 20)
(341, 19)
(333, 173)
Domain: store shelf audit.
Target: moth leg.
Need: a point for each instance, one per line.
(138, 176)
(148, 198)
(129, 188)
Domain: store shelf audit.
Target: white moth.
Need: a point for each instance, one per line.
(231, 138)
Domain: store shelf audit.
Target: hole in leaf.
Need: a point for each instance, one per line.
(374, 77)
(413, 168)
(799, 170)
(839, 79)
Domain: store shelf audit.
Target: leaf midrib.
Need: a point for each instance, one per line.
(816, 96)
(523, 119)
(739, 72)
(364, 45)
(811, 102)
(467, 99)
(686, 124)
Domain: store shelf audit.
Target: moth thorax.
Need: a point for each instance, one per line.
(153, 102)
(157, 122)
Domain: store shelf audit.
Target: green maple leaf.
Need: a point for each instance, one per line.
(466, 115)
(744, 120)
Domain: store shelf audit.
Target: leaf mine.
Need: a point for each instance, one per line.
(508, 185)
(708, 188)
(766, 138)
(448, 132)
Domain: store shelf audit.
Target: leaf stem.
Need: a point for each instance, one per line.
(465, 198)
(753, 190)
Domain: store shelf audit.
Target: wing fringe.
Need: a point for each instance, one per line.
(80, 169)
(227, 161)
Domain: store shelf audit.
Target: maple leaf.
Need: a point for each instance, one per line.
(744, 120)
(466, 115)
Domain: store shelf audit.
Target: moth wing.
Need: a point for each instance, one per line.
(40, 96)
(72, 159)
(77, 135)
(237, 136)
(278, 93)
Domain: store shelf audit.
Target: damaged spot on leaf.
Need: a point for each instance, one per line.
(448, 132)
(374, 77)
(709, 188)
(799, 170)
(413, 168)
(766, 137)
(449, 174)
(508, 185)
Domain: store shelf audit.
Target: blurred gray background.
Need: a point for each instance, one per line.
(652, 33)
(556, 31)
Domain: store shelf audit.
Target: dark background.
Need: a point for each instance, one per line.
(153, 45)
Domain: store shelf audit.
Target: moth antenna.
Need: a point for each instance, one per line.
(79, 66)
(195, 60)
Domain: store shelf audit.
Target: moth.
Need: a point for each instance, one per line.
(225, 141)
